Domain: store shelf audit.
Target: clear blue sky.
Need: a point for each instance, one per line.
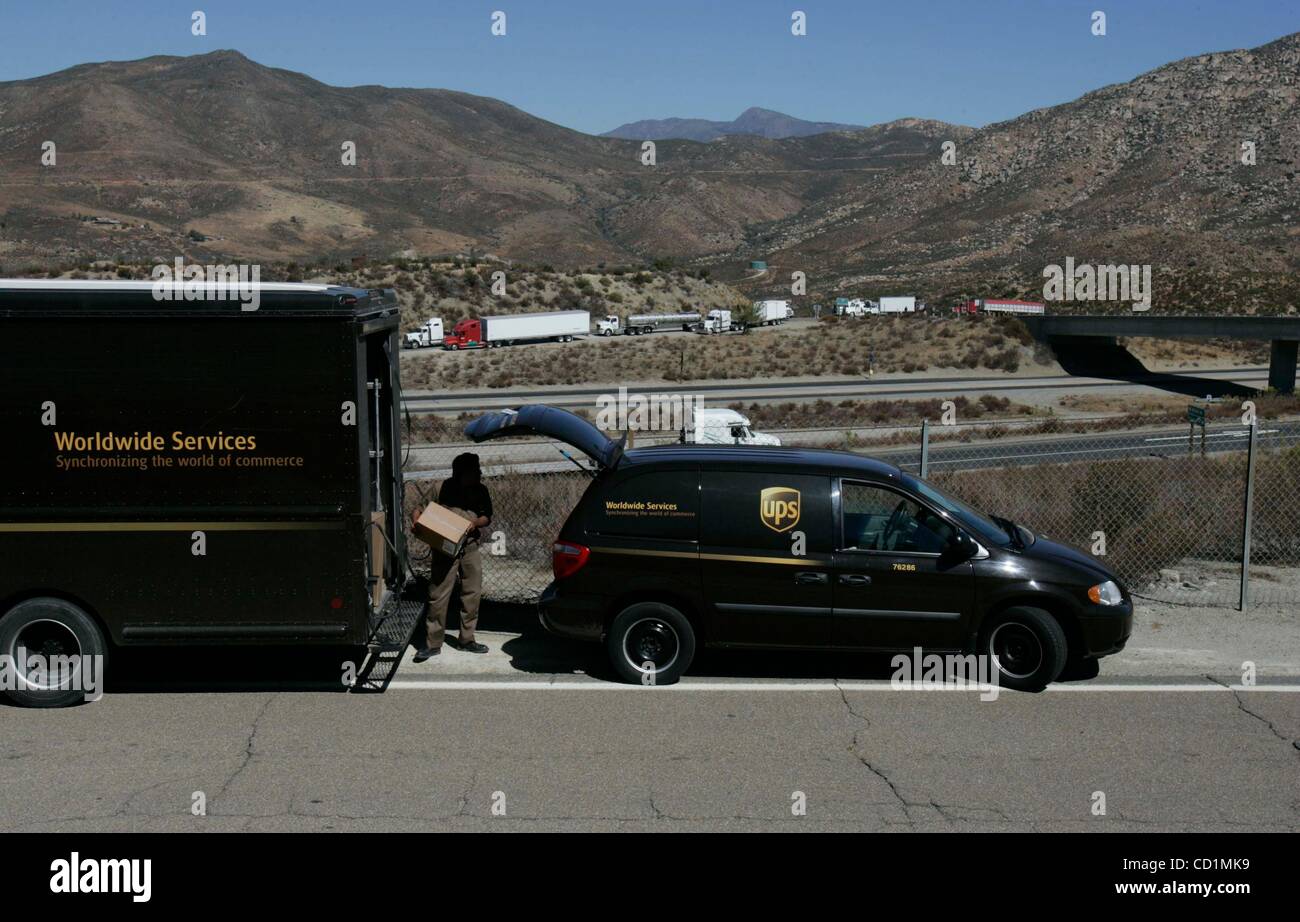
(594, 64)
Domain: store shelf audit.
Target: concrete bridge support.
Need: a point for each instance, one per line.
(1281, 365)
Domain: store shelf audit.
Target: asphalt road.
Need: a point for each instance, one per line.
(545, 746)
(780, 390)
(538, 456)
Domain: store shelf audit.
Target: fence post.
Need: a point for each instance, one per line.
(925, 448)
(1245, 520)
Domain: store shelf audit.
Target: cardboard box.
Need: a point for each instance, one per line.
(442, 529)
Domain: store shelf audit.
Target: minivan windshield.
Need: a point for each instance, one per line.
(983, 527)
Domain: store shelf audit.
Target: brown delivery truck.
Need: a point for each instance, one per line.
(196, 472)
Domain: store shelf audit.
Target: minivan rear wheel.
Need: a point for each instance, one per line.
(1026, 646)
(650, 643)
(53, 629)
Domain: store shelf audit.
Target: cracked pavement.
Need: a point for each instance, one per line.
(655, 759)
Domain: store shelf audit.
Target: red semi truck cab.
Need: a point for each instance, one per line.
(466, 334)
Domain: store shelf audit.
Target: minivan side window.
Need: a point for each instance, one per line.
(875, 518)
(660, 504)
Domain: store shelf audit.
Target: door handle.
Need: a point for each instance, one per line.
(809, 578)
(855, 579)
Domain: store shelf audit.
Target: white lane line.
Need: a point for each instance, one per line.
(1030, 454)
(1233, 434)
(535, 685)
(1044, 454)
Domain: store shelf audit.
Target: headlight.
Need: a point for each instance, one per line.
(1106, 593)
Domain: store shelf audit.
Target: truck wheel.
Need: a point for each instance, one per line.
(50, 627)
(650, 643)
(1026, 646)
(607, 333)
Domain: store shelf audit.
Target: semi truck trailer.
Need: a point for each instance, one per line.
(1000, 306)
(511, 329)
(896, 305)
(767, 313)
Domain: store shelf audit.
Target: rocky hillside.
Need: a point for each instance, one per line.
(456, 289)
(217, 156)
(1149, 172)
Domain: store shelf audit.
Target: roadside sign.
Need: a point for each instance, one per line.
(1195, 417)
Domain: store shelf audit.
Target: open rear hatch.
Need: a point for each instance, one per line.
(551, 423)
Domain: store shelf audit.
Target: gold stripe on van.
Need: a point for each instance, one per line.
(32, 527)
(733, 558)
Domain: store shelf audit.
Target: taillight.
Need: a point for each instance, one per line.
(567, 559)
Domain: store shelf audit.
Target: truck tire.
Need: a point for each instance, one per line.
(51, 627)
(1026, 646)
(650, 643)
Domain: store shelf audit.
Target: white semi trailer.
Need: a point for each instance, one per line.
(508, 329)
(897, 305)
(767, 313)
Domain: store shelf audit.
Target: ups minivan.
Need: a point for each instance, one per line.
(676, 546)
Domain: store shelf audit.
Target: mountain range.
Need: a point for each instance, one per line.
(762, 123)
(218, 156)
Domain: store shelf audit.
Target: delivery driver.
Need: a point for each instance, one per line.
(464, 493)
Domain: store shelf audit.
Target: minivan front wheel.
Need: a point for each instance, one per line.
(1026, 646)
(650, 643)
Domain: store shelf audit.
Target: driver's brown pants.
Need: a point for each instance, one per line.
(468, 568)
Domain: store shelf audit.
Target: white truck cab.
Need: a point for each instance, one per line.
(428, 334)
(716, 321)
(726, 427)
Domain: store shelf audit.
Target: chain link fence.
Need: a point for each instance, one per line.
(1167, 516)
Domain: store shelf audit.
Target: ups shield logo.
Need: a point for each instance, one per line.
(778, 507)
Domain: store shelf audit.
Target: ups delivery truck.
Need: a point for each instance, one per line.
(194, 471)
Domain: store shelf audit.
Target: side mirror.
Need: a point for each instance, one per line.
(961, 547)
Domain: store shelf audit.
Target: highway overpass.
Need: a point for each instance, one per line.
(1087, 342)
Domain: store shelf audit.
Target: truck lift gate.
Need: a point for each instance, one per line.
(391, 630)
